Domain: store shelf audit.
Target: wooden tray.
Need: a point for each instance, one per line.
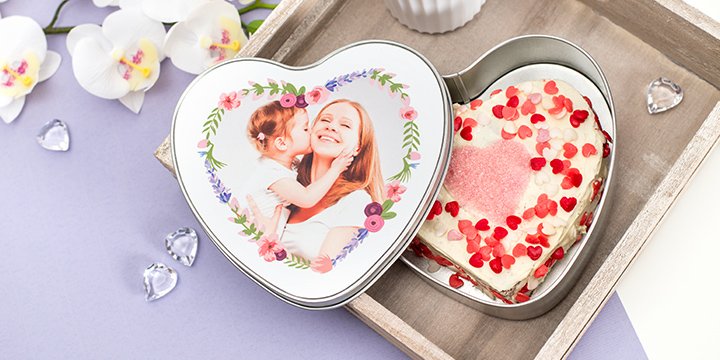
(634, 42)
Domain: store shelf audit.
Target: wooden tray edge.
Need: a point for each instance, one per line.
(601, 286)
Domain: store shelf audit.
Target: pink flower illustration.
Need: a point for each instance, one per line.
(414, 155)
(202, 144)
(317, 95)
(321, 264)
(393, 190)
(288, 100)
(408, 113)
(374, 223)
(229, 101)
(234, 204)
(268, 246)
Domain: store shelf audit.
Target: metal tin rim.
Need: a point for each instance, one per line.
(392, 254)
(559, 288)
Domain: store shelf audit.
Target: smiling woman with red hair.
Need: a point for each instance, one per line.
(321, 231)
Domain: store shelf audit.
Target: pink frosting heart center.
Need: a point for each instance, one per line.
(489, 180)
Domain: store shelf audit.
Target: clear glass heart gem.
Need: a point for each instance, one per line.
(662, 95)
(182, 245)
(159, 280)
(54, 136)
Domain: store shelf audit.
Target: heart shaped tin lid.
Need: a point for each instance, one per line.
(313, 180)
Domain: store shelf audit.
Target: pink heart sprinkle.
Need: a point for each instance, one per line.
(543, 135)
(454, 235)
(535, 98)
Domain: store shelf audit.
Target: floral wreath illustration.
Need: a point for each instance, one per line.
(269, 246)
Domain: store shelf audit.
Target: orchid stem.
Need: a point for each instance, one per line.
(258, 4)
(51, 29)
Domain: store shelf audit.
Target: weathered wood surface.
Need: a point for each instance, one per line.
(401, 306)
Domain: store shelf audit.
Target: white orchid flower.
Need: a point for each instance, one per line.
(167, 11)
(121, 59)
(212, 33)
(24, 62)
(104, 3)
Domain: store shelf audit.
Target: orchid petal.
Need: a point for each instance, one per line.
(104, 3)
(133, 100)
(125, 28)
(96, 71)
(21, 34)
(246, 2)
(199, 20)
(182, 45)
(170, 10)
(86, 30)
(11, 111)
(49, 66)
(4, 100)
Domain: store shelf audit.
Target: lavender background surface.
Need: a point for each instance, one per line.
(78, 228)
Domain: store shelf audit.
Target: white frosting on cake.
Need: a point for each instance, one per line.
(542, 140)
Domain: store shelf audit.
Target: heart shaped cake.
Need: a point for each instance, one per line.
(526, 175)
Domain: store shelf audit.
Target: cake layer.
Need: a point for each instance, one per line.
(524, 179)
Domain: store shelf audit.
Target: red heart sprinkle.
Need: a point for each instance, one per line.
(588, 150)
(570, 150)
(558, 254)
(497, 110)
(541, 271)
(513, 221)
(529, 213)
(496, 265)
(456, 281)
(491, 241)
(575, 177)
(437, 208)
(519, 250)
(475, 104)
(587, 100)
(580, 114)
(482, 225)
(498, 250)
(473, 246)
(513, 102)
(470, 122)
(524, 132)
(495, 92)
(536, 118)
(521, 298)
(453, 208)
(531, 239)
(507, 261)
(464, 224)
(606, 150)
(549, 262)
(485, 252)
(466, 133)
(524, 289)
(534, 252)
(551, 88)
(537, 163)
(539, 147)
(510, 113)
(568, 203)
(568, 104)
(476, 260)
(557, 166)
(511, 91)
(500, 233)
(543, 240)
(527, 107)
(505, 135)
(457, 123)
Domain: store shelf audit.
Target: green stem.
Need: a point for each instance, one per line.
(51, 29)
(258, 4)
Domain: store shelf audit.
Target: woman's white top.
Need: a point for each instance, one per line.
(268, 172)
(306, 238)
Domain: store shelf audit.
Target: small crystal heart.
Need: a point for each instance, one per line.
(662, 95)
(182, 245)
(54, 136)
(159, 280)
